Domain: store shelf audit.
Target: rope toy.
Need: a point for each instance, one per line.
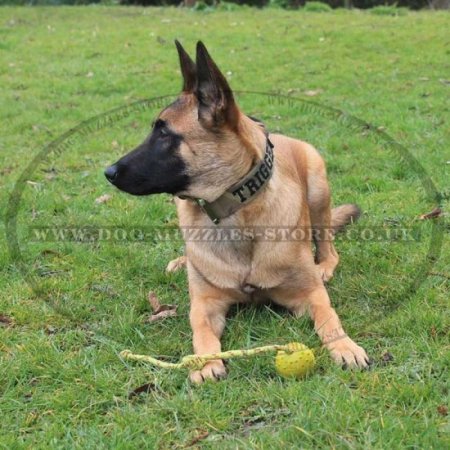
(292, 360)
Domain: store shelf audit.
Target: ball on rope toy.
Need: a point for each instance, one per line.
(296, 364)
(292, 360)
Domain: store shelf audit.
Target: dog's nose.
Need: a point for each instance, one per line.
(111, 173)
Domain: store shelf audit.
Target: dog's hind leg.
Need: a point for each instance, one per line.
(319, 201)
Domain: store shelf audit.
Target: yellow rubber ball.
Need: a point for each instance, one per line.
(296, 363)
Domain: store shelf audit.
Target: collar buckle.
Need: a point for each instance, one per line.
(205, 207)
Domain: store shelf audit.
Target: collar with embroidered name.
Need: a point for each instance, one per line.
(242, 192)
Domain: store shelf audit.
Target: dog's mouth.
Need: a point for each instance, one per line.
(136, 183)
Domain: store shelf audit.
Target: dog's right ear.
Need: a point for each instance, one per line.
(216, 101)
(188, 69)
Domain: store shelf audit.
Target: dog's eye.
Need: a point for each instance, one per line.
(160, 127)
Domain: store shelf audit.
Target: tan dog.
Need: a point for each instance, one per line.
(220, 165)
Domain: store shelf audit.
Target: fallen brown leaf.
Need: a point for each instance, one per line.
(202, 435)
(170, 312)
(49, 251)
(437, 212)
(145, 388)
(6, 171)
(313, 92)
(153, 300)
(5, 321)
(103, 199)
(160, 311)
(442, 410)
(50, 329)
(386, 358)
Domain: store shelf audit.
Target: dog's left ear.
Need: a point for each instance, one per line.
(216, 102)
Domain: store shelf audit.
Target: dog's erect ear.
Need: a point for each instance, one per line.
(216, 102)
(188, 69)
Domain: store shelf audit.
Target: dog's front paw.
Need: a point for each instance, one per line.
(347, 353)
(176, 264)
(213, 370)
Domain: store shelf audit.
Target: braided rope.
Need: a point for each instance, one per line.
(196, 362)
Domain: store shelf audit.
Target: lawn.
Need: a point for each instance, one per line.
(67, 308)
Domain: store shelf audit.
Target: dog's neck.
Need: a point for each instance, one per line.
(243, 192)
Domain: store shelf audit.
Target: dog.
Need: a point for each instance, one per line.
(223, 167)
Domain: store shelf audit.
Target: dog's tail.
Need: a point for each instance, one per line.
(343, 215)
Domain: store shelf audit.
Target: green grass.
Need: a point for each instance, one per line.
(62, 384)
(389, 10)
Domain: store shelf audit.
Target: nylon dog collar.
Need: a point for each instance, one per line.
(241, 193)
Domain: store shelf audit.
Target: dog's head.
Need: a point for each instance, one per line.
(200, 145)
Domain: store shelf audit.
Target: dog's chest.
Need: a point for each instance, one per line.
(245, 253)
(245, 266)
